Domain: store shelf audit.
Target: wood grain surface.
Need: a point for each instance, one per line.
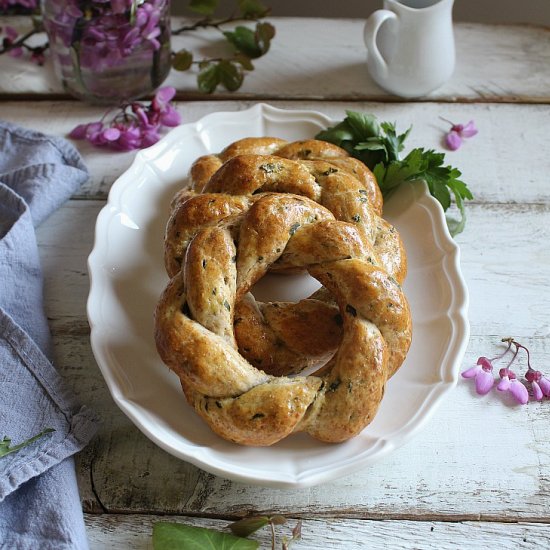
(478, 474)
(326, 60)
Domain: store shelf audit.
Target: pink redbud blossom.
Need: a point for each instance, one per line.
(510, 383)
(539, 384)
(135, 126)
(457, 133)
(482, 373)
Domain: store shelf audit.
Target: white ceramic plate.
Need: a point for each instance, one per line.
(127, 277)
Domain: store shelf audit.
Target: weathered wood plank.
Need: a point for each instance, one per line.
(478, 458)
(499, 164)
(116, 532)
(494, 63)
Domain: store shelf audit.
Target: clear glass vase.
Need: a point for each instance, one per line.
(108, 51)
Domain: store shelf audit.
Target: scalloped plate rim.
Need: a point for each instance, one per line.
(457, 316)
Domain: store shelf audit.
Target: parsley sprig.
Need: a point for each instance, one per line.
(379, 145)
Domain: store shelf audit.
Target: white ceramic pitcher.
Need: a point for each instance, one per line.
(410, 45)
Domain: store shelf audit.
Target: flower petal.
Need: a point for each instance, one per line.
(164, 95)
(504, 384)
(519, 391)
(111, 134)
(453, 141)
(78, 132)
(471, 372)
(537, 392)
(485, 363)
(469, 130)
(544, 384)
(484, 382)
(170, 117)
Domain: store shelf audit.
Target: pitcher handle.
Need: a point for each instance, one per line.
(372, 26)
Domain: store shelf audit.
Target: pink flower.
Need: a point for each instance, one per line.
(162, 110)
(10, 37)
(87, 131)
(510, 383)
(539, 384)
(135, 126)
(482, 372)
(457, 133)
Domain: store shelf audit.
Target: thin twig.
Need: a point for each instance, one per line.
(19, 42)
(207, 22)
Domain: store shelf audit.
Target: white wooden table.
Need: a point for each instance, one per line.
(478, 475)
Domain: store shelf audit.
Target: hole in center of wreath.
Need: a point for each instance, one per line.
(290, 337)
(285, 288)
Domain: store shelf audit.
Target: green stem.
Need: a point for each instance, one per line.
(207, 22)
(16, 448)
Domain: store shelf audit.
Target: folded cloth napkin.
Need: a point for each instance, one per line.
(39, 501)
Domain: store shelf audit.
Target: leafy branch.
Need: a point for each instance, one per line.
(378, 146)
(247, 44)
(168, 535)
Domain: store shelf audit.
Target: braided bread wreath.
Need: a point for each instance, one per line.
(266, 204)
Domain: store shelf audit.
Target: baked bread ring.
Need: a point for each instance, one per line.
(267, 333)
(194, 322)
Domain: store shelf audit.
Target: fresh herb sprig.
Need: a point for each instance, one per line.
(379, 145)
(5, 443)
(169, 535)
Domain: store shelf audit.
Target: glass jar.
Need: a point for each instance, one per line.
(108, 51)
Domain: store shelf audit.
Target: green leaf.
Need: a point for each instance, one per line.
(5, 443)
(182, 60)
(244, 61)
(252, 43)
(247, 526)
(177, 536)
(252, 9)
(244, 40)
(337, 134)
(394, 143)
(265, 32)
(277, 519)
(209, 77)
(204, 7)
(459, 187)
(231, 75)
(391, 176)
(373, 144)
(363, 125)
(439, 191)
(457, 226)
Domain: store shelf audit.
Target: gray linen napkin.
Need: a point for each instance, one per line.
(39, 502)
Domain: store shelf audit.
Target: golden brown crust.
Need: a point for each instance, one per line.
(194, 326)
(312, 150)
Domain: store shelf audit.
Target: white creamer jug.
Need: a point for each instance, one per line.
(410, 45)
